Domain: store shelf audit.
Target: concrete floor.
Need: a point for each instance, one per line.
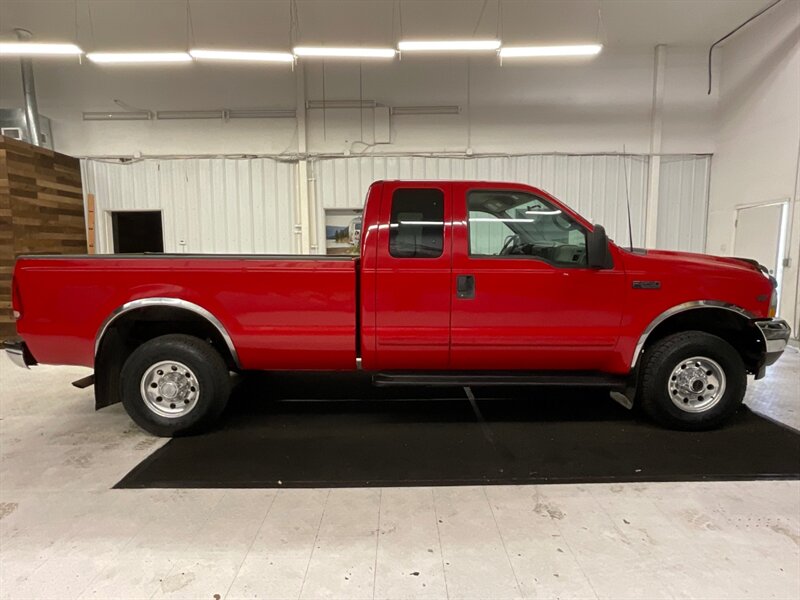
(65, 534)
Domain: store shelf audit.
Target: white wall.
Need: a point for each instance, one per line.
(572, 106)
(583, 106)
(210, 205)
(683, 203)
(224, 205)
(758, 140)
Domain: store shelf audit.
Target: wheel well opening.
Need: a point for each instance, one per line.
(735, 329)
(133, 328)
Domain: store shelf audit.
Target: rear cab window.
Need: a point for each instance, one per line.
(416, 225)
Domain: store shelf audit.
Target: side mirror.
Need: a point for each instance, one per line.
(597, 251)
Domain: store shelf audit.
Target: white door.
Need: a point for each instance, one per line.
(758, 235)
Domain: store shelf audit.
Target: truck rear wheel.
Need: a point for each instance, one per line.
(174, 385)
(692, 380)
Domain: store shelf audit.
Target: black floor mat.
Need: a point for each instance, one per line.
(339, 431)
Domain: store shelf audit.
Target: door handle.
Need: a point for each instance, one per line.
(465, 286)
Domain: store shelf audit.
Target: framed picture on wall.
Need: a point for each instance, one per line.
(342, 231)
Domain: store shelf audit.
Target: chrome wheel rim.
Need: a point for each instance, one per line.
(696, 384)
(170, 389)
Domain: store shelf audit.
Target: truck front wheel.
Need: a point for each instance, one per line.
(692, 380)
(174, 385)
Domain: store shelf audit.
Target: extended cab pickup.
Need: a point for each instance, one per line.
(457, 283)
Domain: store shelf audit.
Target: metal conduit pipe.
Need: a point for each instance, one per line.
(29, 91)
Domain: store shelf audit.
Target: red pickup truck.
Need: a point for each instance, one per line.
(457, 283)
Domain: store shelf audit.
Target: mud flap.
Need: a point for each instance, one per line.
(108, 365)
(621, 399)
(627, 397)
(84, 382)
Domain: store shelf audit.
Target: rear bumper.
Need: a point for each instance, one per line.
(18, 352)
(776, 334)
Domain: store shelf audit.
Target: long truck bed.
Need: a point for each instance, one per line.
(281, 312)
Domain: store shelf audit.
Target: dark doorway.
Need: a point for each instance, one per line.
(137, 231)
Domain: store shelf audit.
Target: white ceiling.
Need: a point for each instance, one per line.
(162, 24)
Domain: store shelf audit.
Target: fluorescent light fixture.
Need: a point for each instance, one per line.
(139, 115)
(325, 52)
(425, 110)
(262, 113)
(543, 51)
(38, 49)
(190, 114)
(242, 55)
(131, 58)
(448, 46)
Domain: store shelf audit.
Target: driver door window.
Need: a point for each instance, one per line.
(513, 224)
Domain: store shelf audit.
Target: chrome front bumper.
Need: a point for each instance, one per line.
(19, 354)
(776, 334)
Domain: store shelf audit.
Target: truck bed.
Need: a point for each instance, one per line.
(281, 312)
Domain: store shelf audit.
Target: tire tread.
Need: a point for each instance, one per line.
(651, 399)
(212, 367)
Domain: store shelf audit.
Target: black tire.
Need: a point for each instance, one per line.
(209, 373)
(656, 396)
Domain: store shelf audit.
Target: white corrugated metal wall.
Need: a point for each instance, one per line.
(209, 205)
(683, 203)
(225, 205)
(592, 185)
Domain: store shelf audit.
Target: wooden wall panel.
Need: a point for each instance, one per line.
(41, 211)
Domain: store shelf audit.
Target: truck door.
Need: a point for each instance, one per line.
(412, 291)
(523, 295)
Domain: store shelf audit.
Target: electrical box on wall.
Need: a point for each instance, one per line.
(14, 125)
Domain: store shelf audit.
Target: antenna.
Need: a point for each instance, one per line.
(627, 195)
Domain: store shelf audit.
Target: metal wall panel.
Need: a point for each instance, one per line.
(209, 205)
(224, 205)
(683, 203)
(593, 185)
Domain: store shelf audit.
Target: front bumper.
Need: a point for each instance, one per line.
(18, 352)
(775, 333)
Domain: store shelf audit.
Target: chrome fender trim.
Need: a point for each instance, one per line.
(679, 308)
(171, 302)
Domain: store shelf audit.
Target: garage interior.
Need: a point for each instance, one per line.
(674, 124)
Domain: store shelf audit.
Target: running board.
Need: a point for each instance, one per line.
(598, 380)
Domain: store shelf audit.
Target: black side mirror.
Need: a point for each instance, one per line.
(599, 256)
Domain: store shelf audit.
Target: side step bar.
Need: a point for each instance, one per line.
(598, 380)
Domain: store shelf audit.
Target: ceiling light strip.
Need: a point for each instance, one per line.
(547, 51)
(334, 52)
(448, 45)
(138, 57)
(241, 55)
(38, 49)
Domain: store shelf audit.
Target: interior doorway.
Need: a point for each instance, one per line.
(760, 234)
(135, 232)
